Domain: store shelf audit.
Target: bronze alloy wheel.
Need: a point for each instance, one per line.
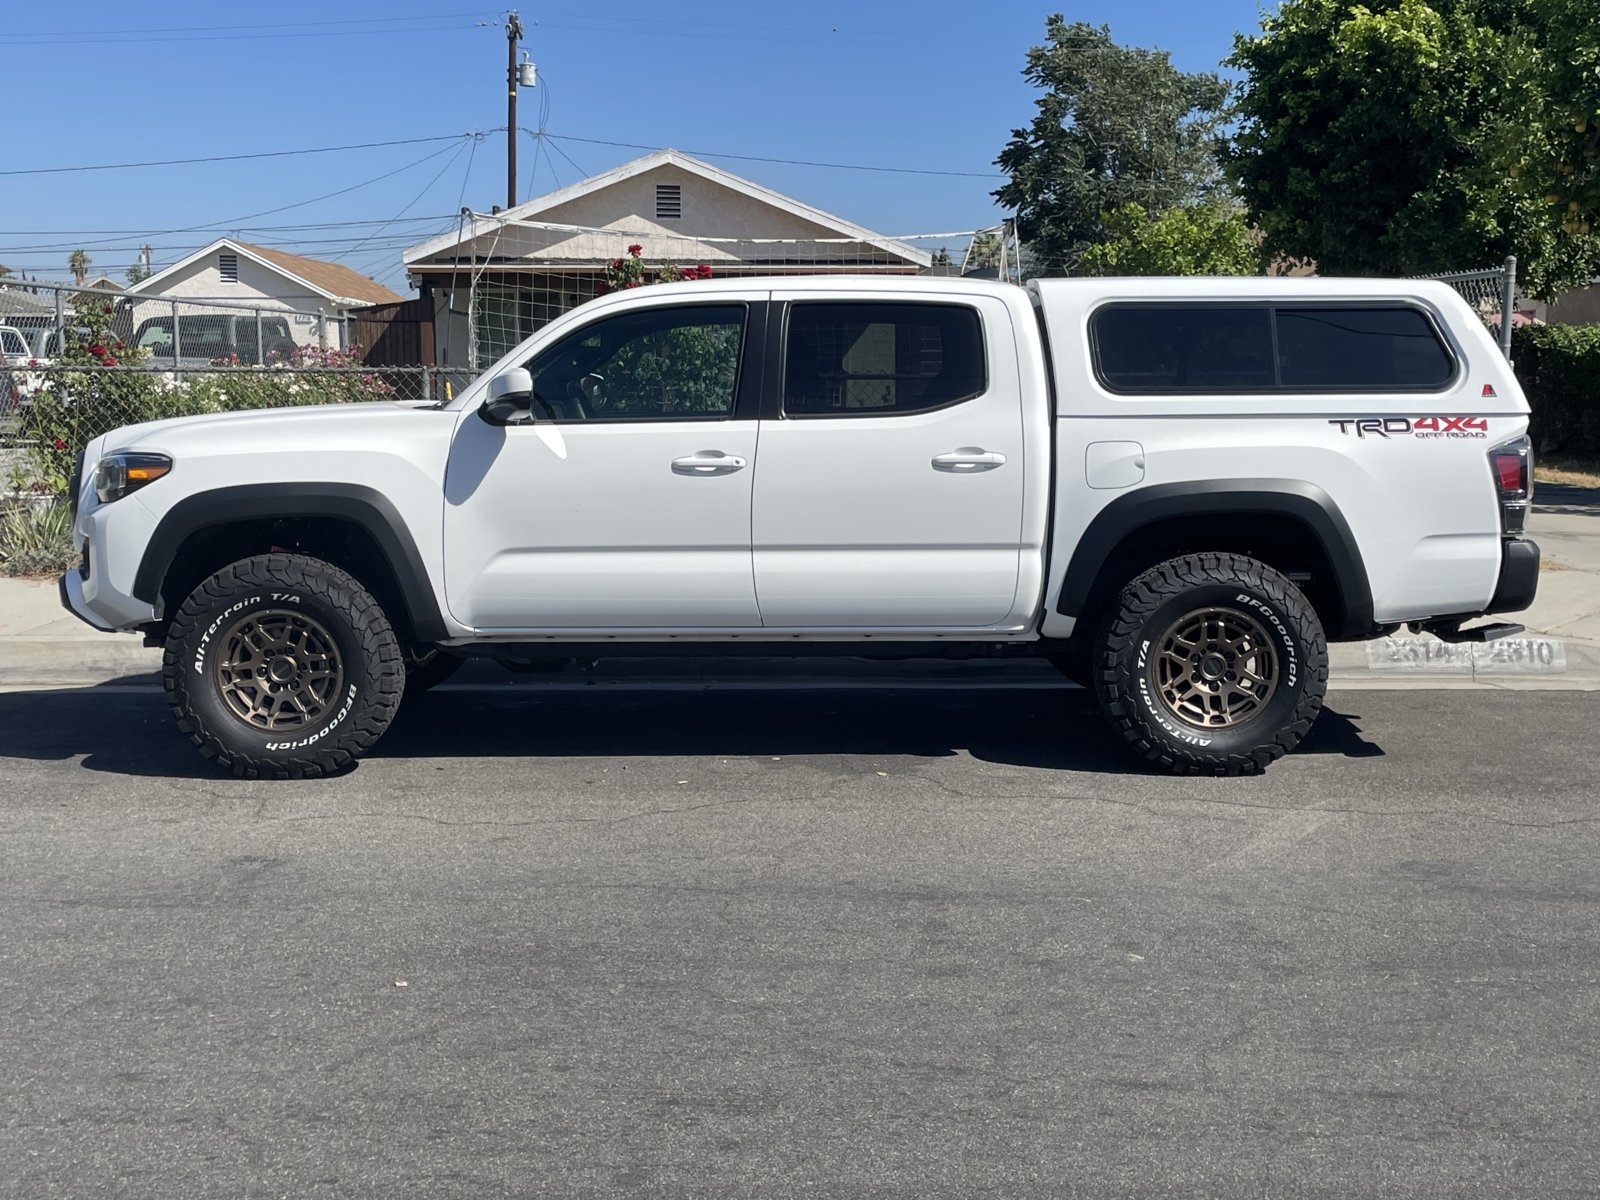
(1215, 668)
(278, 670)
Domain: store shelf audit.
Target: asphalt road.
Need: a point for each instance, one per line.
(815, 943)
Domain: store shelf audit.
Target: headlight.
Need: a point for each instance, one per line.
(119, 474)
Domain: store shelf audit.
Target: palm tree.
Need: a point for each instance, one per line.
(78, 264)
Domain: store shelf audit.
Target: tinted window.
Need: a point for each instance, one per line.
(661, 363)
(880, 359)
(1340, 348)
(1214, 348)
(1194, 348)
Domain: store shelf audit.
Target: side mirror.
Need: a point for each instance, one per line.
(510, 398)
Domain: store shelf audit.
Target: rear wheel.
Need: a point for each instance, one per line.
(1212, 664)
(282, 666)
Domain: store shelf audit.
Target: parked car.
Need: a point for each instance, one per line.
(209, 338)
(15, 356)
(1178, 489)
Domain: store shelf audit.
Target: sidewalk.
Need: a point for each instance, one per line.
(43, 645)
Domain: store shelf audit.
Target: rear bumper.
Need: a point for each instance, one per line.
(1519, 576)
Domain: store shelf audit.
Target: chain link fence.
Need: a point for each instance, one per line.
(1493, 293)
(48, 414)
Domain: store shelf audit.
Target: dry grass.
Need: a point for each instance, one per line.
(1575, 472)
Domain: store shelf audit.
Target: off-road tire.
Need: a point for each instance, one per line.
(1141, 693)
(293, 593)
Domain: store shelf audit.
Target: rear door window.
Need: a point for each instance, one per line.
(867, 359)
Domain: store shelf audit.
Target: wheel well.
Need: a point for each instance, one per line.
(1283, 542)
(343, 543)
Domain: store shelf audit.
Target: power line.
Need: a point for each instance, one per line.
(96, 40)
(363, 21)
(426, 188)
(180, 162)
(159, 232)
(792, 162)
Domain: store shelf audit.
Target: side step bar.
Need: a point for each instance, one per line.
(1449, 630)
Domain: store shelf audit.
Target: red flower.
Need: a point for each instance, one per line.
(118, 346)
(108, 361)
(703, 271)
(616, 264)
(636, 249)
(97, 350)
(634, 284)
(58, 444)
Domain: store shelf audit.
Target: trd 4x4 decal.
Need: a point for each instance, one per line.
(1419, 427)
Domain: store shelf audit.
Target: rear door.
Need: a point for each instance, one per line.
(891, 487)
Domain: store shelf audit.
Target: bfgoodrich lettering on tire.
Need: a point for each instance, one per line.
(282, 666)
(1211, 664)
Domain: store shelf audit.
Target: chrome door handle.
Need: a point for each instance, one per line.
(969, 460)
(708, 462)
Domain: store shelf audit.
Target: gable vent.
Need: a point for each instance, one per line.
(669, 201)
(228, 267)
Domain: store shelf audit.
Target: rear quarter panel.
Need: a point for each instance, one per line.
(1408, 471)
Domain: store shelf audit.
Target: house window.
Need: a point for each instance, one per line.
(669, 201)
(228, 267)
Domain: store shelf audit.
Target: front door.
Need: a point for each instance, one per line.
(891, 485)
(624, 502)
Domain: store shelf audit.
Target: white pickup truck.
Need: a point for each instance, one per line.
(1177, 489)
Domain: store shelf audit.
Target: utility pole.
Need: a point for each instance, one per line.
(513, 34)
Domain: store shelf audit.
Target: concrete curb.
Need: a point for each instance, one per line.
(1408, 663)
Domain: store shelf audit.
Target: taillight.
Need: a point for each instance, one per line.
(1512, 466)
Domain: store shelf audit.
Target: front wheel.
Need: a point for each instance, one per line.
(1212, 664)
(283, 667)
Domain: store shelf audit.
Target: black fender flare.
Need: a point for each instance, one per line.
(1303, 502)
(364, 507)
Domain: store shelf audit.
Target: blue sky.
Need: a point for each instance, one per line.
(931, 85)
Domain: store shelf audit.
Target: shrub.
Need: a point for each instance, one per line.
(1559, 368)
(36, 539)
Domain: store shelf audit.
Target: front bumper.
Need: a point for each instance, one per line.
(1519, 576)
(111, 538)
(71, 588)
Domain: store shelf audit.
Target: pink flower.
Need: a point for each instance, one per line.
(634, 283)
(616, 264)
(58, 444)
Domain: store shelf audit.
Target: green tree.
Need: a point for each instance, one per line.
(1563, 88)
(983, 253)
(1200, 239)
(1403, 137)
(5, 271)
(138, 273)
(78, 263)
(1116, 125)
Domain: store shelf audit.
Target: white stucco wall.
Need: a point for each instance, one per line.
(258, 287)
(710, 209)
